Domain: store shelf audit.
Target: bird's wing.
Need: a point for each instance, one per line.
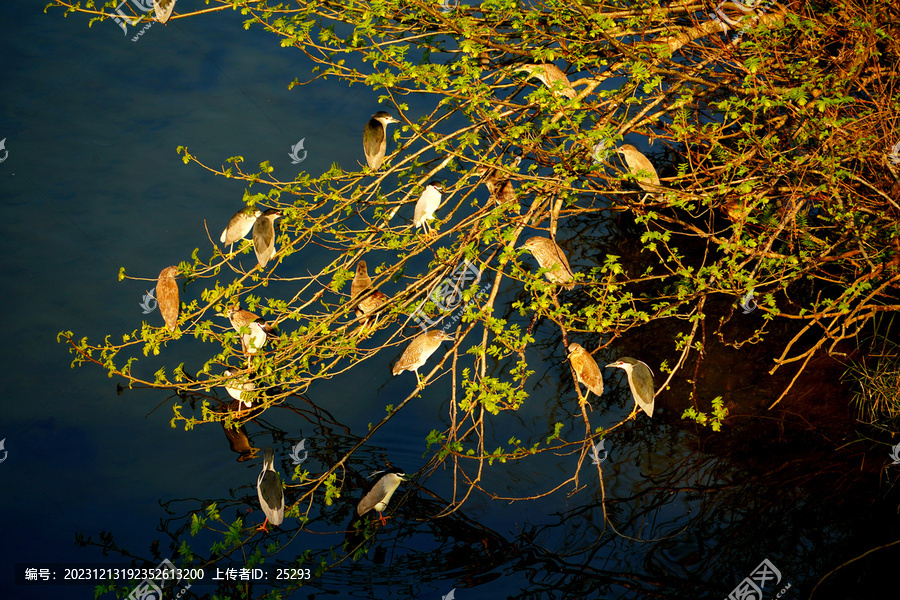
(163, 9)
(167, 299)
(372, 142)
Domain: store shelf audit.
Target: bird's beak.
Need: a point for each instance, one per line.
(609, 365)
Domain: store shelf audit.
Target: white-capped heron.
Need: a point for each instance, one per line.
(378, 497)
(162, 9)
(239, 225)
(419, 350)
(375, 138)
(257, 328)
(264, 236)
(550, 256)
(270, 491)
(640, 380)
(240, 388)
(428, 203)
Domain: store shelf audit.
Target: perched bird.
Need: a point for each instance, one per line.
(640, 167)
(501, 188)
(258, 330)
(362, 283)
(270, 491)
(419, 350)
(586, 369)
(550, 256)
(167, 296)
(375, 138)
(551, 76)
(640, 380)
(429, 201)
(240, 388)
(239, 225)
(163, 10)
(380, 494)
(264, 236)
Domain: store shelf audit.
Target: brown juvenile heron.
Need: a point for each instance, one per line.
(500, 187)
(380, 494)
(239, 225)
(428, 203)
(270, 492)
(375, 138)
(551, 76)
(640, 167)
(264, 236)
(640, 380)
(586, 369)
(361, 284)
(167, 296)
(419, 351)
(550, 256)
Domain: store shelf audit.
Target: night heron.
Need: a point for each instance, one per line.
(380, 494)
(257, 328)
(240, 388)
(270, 491)
(163, 9)
(428, 203)
(362, 283)
(375, 138)
(419, 350)
(239, 225)
(264, 236)
(640, 168)
(586, 369)
(500, 187)
(640, 380)
(551, 76)
(550, 256)
(167, 296)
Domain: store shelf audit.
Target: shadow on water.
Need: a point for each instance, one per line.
(689, 512)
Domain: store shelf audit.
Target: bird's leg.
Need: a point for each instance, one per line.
(382, 518)
(418, 379)
(582, 402)
(263, 526)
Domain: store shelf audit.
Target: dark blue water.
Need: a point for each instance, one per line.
(92, 183)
